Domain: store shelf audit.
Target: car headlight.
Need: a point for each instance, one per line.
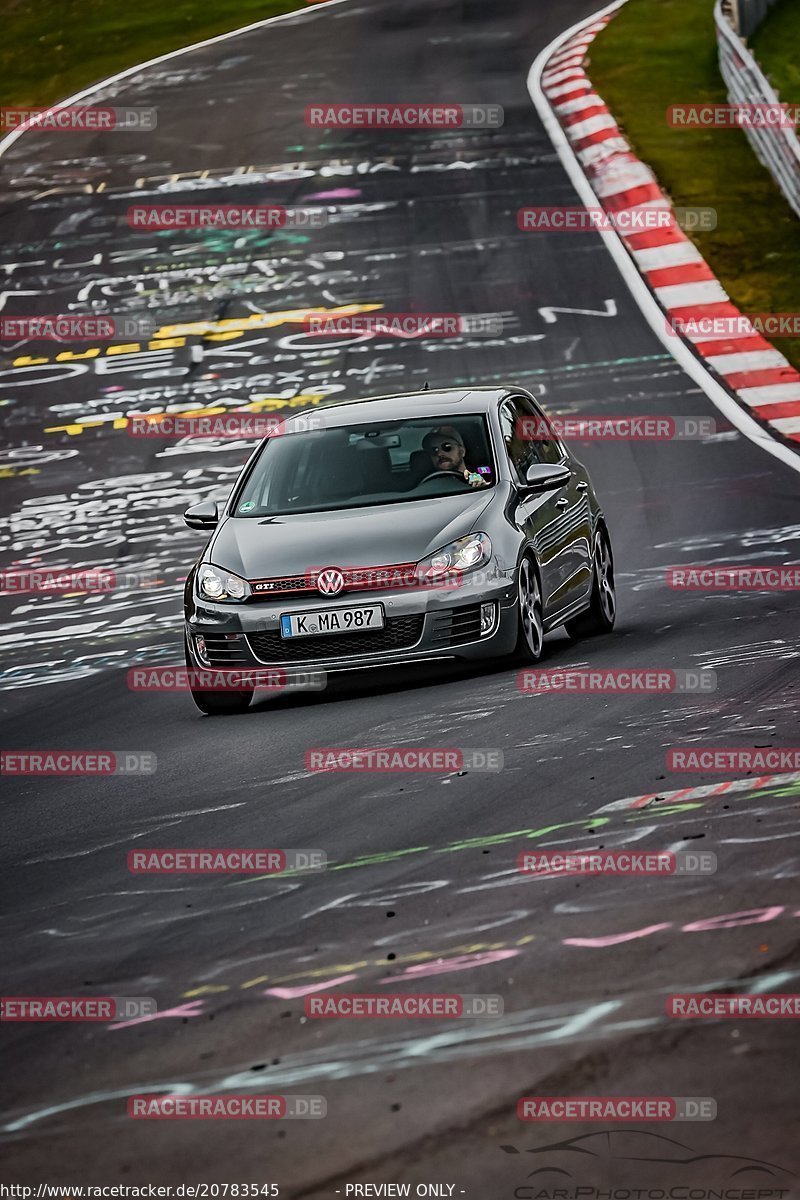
(215, 584)
(457, 558)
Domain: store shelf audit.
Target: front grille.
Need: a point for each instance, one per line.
(455, 626)
(225, 649)
(356, 579)
(277, 587)
(399, 634)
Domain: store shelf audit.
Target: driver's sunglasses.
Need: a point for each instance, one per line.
(442, 446)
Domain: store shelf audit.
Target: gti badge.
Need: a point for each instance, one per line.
(330, 581)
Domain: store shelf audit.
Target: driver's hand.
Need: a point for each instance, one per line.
(474, 479)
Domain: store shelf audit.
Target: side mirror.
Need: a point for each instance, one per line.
(546, 477)
(204, 515)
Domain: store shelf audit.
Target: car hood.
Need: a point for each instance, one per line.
(270, 547)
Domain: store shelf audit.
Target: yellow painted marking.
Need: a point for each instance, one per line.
(229, 328)
(252, 982)
(75, 355)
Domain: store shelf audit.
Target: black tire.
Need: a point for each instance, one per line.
(602, 611)
(530, 615)
(216, 703)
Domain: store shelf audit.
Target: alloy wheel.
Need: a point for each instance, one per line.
(530, 608)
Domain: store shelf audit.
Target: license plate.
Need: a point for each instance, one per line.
(332, 620)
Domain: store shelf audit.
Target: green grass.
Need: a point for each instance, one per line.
(50, 49)
(660, 52)
(775, 44)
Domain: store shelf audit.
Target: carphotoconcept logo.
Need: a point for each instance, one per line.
(75, 1008)
(79, 118)
(74, 327)
(406, 325)
(724, 578)
(617, 862)
(223, 216)
(226, 1107)
(210, 861)
(566, 219)
(615, 429)
(617, 1108)
(77, 762)
(404, 116)
(437, 760)
(615, 681)
(227, 679)
(764, 760)
(729, 1004)
(733, 116)
(357, 1006)
(614, 1163)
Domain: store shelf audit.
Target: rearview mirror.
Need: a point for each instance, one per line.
(546, 477)
(204, 515)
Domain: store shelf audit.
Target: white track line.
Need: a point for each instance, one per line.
(652, 313)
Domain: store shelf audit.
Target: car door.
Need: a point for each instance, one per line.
(558, 523)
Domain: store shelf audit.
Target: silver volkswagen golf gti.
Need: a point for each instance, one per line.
(412, 528)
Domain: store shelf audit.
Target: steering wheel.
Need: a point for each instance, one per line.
(451, 474)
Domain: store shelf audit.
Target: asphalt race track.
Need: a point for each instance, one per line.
(423, 884)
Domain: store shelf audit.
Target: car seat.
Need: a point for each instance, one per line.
(376, 468)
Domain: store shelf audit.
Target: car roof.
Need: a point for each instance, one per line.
(444, 403)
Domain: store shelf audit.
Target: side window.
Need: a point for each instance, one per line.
(547, 448)
(521, 425)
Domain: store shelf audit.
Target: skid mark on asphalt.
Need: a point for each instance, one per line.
(692, 716)
(747, 538)
(423, 728)
(750, 653)
(169, 820)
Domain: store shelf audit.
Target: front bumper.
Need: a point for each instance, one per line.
(421, 624)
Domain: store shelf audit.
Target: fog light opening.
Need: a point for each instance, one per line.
(200, 650)
(487, 617)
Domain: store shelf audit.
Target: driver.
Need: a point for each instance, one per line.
(445, 446)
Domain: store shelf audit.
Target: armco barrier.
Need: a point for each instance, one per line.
(777, 147)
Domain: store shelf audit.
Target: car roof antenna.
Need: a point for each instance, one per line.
(427, 387)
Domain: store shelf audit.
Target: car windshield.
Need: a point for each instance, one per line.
(378, 463)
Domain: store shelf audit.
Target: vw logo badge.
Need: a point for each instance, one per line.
(330, 581)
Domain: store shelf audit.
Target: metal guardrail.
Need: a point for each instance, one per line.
(777, 147)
